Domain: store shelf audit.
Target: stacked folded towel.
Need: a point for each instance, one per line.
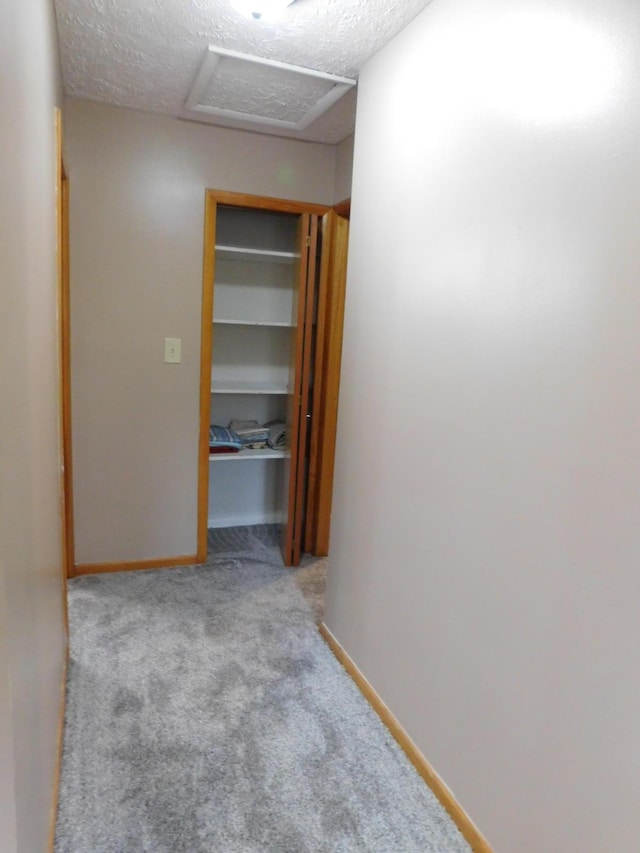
(247, 434)
(223, 440)
(254, 435)
(251, 433)
(277, 435)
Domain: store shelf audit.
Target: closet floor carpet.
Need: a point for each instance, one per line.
(205, 713)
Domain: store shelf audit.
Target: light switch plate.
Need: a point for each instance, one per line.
(172, 350)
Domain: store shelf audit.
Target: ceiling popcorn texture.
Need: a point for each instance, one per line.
(145, 54)
(261, 90)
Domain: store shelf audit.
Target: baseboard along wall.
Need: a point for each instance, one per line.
(58, 764)
(134, 565)
(442, 792)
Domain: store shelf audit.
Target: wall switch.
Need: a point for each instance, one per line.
(172, 350)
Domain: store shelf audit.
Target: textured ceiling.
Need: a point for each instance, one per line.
(145, 54)
(280, 95)
(266, 91)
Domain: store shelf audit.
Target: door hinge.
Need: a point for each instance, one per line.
(308, 241)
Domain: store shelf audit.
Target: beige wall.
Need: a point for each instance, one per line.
(485, 538)
(31, 628)
(344, 168)
(137, 210)
(7, 759)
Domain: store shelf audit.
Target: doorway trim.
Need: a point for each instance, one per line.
(212, 199)
(64, 360)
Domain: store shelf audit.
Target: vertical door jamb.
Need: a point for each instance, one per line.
(206, 342)
(64, 367)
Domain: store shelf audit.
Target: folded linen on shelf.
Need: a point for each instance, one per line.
(277, 435)
(223, 440)
(251, 433)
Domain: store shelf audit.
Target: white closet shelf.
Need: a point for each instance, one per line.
(247, 454)
(247, 388)
(274, 323)
(243, 253)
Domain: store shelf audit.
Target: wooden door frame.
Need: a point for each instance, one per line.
(343, 208)
(212, 199)
(64, 362)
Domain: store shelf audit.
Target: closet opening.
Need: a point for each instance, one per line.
(260, 291)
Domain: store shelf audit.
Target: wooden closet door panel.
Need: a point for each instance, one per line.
(331, 298)
(317, 406)
(298, 396)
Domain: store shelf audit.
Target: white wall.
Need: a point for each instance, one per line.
(31, 626)
(137, 186)
(485, 537)
(344, 169)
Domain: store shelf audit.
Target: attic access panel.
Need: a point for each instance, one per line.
(265, 92)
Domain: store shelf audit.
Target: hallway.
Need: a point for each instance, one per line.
(205, 713)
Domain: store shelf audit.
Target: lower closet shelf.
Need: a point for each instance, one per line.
(248, 454)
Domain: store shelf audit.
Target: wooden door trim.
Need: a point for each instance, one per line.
(64, 437)
(212, 199)
(64, 364)
(136, 565)
(343, 208)
(206, 337)
(277, 205)
(65, 320)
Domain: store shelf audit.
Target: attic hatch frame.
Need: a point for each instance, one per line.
(214, 55)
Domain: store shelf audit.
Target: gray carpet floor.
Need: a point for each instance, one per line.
(206, 713)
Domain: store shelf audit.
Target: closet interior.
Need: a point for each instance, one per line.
(256, 256)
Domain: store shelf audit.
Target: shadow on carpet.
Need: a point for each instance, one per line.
(206, 713)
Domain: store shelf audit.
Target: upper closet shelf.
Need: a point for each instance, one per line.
(276, 323)
(239, 387)
(248, 453)
(241, 253)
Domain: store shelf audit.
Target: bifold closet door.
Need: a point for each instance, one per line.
(326, 382)
(294, 491)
